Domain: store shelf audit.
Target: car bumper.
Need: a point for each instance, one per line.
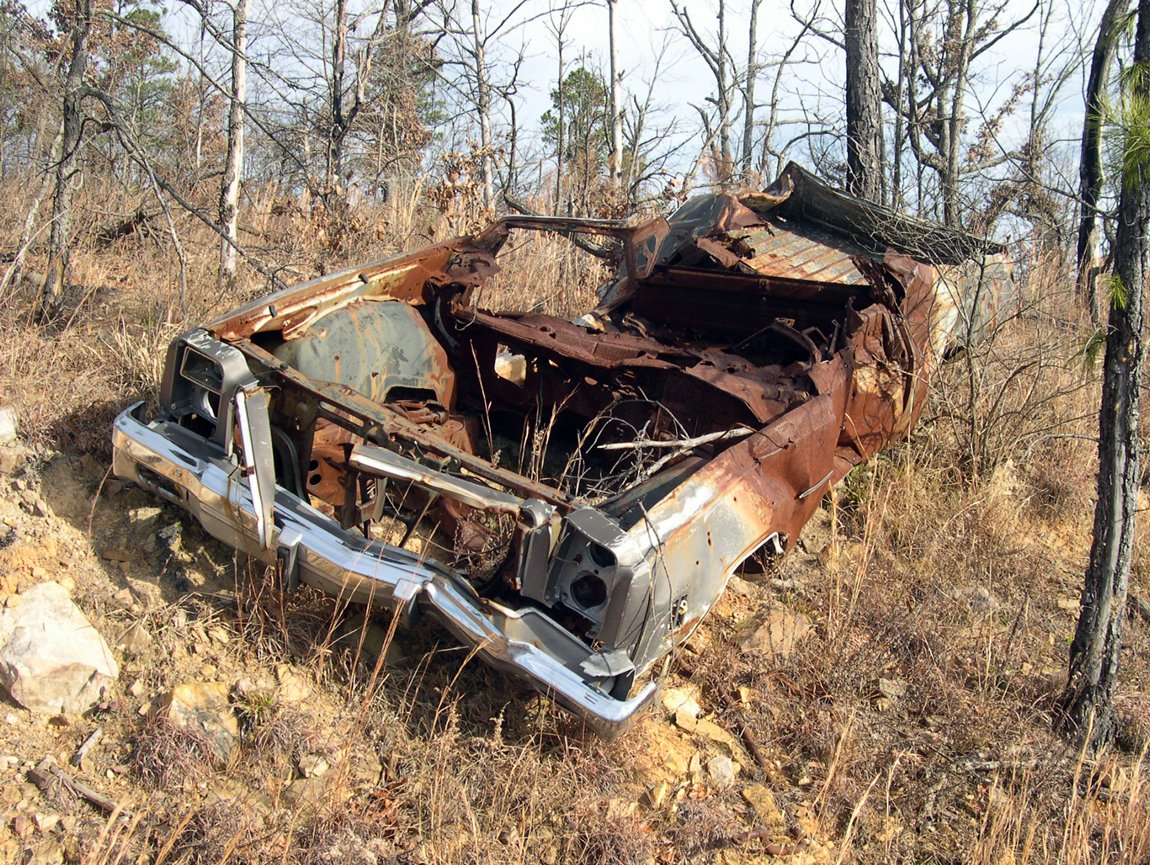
(191, 472)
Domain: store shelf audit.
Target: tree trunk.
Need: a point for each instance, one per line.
(953, 120)
(863, 101)
(724, 96)
(67, 168)
(483, 106)
(1087, 703)
(749, 92)
(1090, 161)
(616, 165)
(562, 140)
(333, 169)
(234, 166)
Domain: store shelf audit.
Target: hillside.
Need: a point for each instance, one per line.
(882, 695)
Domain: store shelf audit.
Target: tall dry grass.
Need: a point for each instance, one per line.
(913, 725)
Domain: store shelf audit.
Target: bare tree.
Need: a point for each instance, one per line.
(483, 106)
(750, 76)
(615, 164)
(67, 166)
(863, 101)
(1087, 703)
(234, 162)
(717, 58)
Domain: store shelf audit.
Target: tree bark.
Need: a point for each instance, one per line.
(752, 74)
(863, 101)
(616, 166)
(724, 96)
(234, 165)
(67, 168)
(1087, 703)
(483, 106)
(1090, 160)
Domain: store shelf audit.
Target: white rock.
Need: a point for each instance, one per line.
(684, 699)
(51, 658)
(313, 766)
(7, 423)
(721, 770)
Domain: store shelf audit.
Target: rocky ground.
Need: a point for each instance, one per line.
(219, 720)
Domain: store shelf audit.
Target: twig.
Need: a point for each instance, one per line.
(684, 444)
(46, 771)
(89, 744)
(582, 243)
(756, 749)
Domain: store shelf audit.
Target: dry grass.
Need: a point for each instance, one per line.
(943, 574)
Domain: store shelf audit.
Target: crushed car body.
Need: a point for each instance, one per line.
(568, 498)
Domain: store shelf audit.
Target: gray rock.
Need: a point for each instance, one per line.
(721, 770)
(51, 658)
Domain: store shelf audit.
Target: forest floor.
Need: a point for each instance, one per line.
(885, 695)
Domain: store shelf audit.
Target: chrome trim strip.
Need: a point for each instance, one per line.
(214, 490)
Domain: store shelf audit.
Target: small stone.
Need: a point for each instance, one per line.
(892, 689)
(137, 688)
(11, 719)
(656, 797)
(116, 554)
(313, 766)
(7, 423)
(779, 634)
(677, 700)
(209, 671)
(293, 688)
(721, 770)
(766, 808)
(1069, 604)
(46, 822)
(711, 730)
(219, 635)
(125, 600)
(51, 658)
(13, 457)
(23, 826)
(304, 793)
(684, 720)
(145, 522)
(136, 639)
(203, 707)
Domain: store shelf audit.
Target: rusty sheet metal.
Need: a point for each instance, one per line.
(798, 251)
(377, 422)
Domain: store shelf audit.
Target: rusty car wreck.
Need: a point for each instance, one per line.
(568, 498)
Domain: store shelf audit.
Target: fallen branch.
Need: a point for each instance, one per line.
(46, 773)
(682, 444)
(582, 243)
